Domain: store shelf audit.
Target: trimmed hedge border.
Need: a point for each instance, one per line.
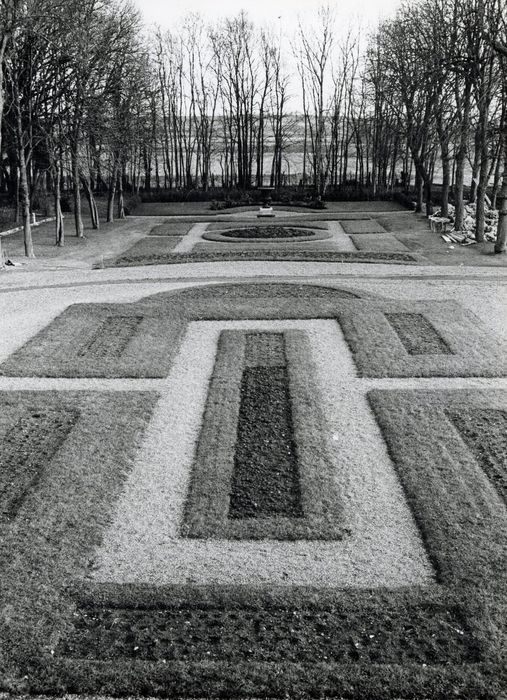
(207, 507)
(261, 255)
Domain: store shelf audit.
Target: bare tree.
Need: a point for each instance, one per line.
(501, 234)
(316, 45)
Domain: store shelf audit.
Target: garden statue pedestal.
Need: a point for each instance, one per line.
(266, 210)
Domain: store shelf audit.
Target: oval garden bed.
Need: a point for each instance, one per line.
(266, 233)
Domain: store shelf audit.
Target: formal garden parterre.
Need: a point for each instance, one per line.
(271, 479)
(286, 239)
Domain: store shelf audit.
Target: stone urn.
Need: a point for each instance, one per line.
(266, 210)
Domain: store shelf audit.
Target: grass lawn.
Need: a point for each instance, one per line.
(147, 251)
(55, 507)
(356, 227)
(100, 340)
(420, 339)
(387, 338)
(382, 242)
(170, 228)
(141, 339)
(404, 222)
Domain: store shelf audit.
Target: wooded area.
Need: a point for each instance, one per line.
(91, 103)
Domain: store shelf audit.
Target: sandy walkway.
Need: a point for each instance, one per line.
(143, 543)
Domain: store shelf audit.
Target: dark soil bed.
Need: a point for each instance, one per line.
(417, 334)
(272, 633)
(29, 444)
(265, 480)
(262, 467)
(267, 232)
(484, 431)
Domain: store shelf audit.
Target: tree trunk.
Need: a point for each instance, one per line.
(94, 214)
(459, 204)
(24, 191)
(475, 166)
(482, 183)
(3, 47)
(111, 194)
(446, 172)
(501, 233)
(419, 185)
(428, 196)
(59, 227)
(496, 178)
(78, 219)
(121, 205)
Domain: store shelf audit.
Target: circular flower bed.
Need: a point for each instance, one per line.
(266, 233)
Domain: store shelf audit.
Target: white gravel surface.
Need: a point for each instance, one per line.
(143, 542)
(341, 239)
(248, 270)
(192, 237)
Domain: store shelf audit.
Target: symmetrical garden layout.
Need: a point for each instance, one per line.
(275, 490)
(355, 239)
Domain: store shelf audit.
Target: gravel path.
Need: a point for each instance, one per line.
(25, 279)
(341, 239)
(192, 237)
(143, 543)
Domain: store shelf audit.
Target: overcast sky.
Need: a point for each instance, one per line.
(282, 14)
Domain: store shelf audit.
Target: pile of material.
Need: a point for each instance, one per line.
(466, 236)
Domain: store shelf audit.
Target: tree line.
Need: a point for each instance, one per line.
(91, 102)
